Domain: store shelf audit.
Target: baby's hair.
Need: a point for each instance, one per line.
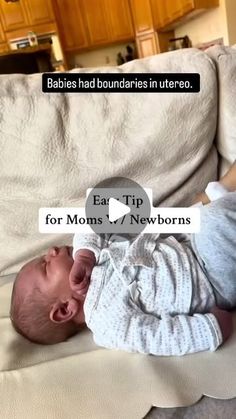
(29, 315)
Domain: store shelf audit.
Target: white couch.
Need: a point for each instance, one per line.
(52, 148)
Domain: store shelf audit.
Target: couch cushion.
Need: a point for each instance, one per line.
(225, 59)
(55, 146)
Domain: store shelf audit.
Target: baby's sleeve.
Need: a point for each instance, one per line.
(166, 336)
(215, 190)
(93, 242)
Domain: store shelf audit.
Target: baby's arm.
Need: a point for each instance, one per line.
(165, 336)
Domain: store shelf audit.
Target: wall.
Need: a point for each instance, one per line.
(99, 57)
(208, 26)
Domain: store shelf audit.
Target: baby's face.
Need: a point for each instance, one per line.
(50, 273)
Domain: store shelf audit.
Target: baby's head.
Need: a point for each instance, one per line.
(43, 306)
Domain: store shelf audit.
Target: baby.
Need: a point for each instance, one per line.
(153, 294)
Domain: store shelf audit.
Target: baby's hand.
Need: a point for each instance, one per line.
(201, 197)
(81, 271)
(225, 320)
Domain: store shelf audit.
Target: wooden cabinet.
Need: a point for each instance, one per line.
(147, 45)
(188, 6)
(25, 14)
(3, 44)
(120, 20)
(168, 14)
(142, 16)
(146, 37)
(70, 20)
(88, 23)
(96, 20)
(13, 15)
(39, 11)
(2, 35)
(174, 9)
(4, 48)
(85, 24)
(107, 21)
(160, 14)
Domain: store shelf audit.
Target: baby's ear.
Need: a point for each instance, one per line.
(62, 312)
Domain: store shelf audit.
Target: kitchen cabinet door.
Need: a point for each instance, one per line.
(191, 5)
(167, 12)
(147, 45)
(174, 9)
(39, 11)
(187, 6)
(120, 20)
(4, 48)
(70, 20)
(13, 15)
(2, 35)
(142, 16)
(160, 13)
(96, 19)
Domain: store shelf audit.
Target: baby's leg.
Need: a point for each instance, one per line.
(216, 247)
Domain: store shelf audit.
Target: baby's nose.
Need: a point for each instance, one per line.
(52, 252)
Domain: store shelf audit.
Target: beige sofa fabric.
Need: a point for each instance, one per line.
(53, 147)
(225, 60)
